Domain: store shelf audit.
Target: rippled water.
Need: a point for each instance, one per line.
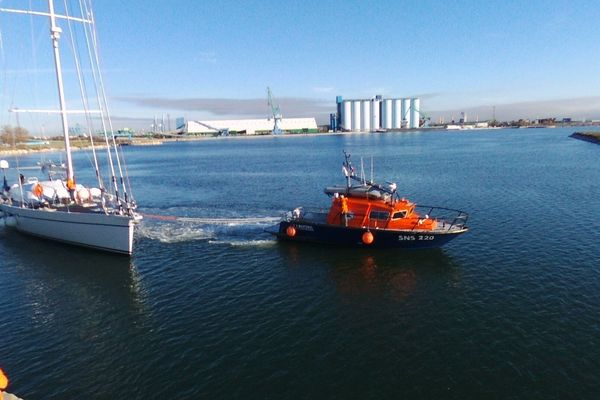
(217, 309)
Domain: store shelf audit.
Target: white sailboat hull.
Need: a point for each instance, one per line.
(112, 233)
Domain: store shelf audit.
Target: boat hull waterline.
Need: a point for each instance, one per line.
(306, 231)
(112, 233)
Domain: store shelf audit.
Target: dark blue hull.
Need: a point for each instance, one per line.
(348, 236)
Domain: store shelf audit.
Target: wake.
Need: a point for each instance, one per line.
(238, 231)
(215, 221)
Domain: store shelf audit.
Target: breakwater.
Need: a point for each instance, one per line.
(593, 137)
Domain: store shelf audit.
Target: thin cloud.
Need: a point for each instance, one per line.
(427, 96)
(323, 89)
(245, 108)
(136, 122)
(576, 108)
(497, 35)
(206, 57)
(372, 92)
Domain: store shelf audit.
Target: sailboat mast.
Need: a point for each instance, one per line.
(55, 32)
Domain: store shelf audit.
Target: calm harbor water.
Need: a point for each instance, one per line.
(220, 310)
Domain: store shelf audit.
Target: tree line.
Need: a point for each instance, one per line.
(13, 135)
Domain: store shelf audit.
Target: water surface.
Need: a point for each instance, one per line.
(509, 310)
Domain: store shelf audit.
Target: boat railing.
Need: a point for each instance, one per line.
(450, 217)
(447, 218)
(306, 213)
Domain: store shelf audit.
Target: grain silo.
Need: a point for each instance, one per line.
(365, 116)
(375, 115)
(406, 113)
(347, 115)
(397, 114)
(415, 110)
(369, 115)
(386, 113)
(355, 115)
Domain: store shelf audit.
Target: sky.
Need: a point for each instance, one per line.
(214, 60)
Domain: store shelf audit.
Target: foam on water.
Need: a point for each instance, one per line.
(246, 243)
(236, 231)
(172, 232)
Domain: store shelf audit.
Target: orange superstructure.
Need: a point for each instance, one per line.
(386, 213)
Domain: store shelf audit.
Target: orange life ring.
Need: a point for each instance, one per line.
(38, 190)
(290, 231)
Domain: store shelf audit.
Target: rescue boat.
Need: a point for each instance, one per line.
(368, 214)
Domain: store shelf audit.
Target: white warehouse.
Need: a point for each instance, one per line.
(251, 126)
(378, 113)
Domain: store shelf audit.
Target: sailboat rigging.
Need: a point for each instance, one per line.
(58, 207)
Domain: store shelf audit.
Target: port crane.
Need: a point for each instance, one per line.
(220, 131)
(276, 113)
(424, 119)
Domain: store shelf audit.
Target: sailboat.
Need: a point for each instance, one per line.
(57, 207)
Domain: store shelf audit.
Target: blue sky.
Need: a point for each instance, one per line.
(214, 60)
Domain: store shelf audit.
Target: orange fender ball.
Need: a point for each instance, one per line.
(3, 381)
(290, 231)
(367, 237)
(38, 190)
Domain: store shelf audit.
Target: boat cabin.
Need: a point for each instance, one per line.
(363, 207)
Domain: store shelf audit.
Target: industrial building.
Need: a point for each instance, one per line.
(377, 113)
(247, 126)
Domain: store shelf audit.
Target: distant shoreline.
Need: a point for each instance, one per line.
(155, 142)
(593, 137)
(16, 152)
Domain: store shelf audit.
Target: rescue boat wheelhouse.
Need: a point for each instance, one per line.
(372, 215)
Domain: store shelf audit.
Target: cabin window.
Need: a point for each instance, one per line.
(399, 214)
(379, 215)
